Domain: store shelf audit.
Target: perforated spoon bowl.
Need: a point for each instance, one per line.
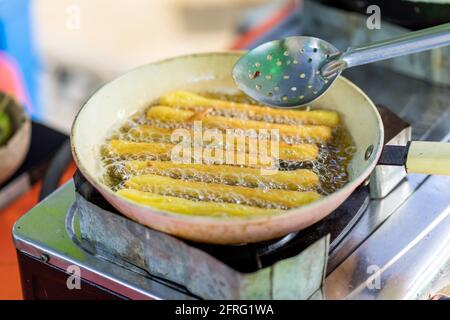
(297, 70)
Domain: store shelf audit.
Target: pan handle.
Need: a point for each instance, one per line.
(428, 158)
(424, 157)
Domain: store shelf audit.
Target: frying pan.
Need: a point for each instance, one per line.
(121, 98)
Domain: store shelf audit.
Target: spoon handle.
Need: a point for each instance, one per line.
(408, 43)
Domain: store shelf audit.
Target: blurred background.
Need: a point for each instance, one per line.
(62, 50)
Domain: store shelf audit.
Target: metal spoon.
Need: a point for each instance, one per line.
(297, 70)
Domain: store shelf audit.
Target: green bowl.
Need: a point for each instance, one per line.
(13, 148)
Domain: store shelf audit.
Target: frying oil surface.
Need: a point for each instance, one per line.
(137, 157)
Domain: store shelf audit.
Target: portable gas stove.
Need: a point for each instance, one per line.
(389, 240)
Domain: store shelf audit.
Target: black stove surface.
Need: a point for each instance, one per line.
(254, 256)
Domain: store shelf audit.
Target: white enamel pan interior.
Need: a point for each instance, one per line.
(116, 101)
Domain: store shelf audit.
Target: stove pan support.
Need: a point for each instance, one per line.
(397, 133)
(160, 256)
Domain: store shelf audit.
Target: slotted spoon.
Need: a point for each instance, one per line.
(297, 70)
